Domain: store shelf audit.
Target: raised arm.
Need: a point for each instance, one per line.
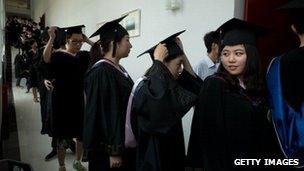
(49, 46)
(87, 40)
(186, 63)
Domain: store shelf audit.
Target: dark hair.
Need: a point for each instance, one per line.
(298, 20)
(95, 53)
(252, 74)
(209, 38)
(105, 41)
(104, 44)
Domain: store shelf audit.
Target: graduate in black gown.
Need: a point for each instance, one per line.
(33, 77)
(67, 68)
(107, 89)
(286, 88)
(161, 99)
(292, 62)
(230, 121)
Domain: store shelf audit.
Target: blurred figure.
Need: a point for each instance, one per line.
(209, 64)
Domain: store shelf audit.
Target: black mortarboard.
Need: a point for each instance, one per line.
(295, 4)
(74, 29)
(111, 30)
(173, 48)
(61, 33)
(236, 31)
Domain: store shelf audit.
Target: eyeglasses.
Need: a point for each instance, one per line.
(76, 42)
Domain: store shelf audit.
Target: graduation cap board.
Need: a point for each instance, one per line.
(173, 48)
(61, 34)
(79, 29)
(111, 30)
(236, 31)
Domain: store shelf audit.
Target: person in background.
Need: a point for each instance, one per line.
(18, 62)
(33, 62)
(209, 64)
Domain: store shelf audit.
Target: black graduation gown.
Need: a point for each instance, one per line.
(18, 65)
(227, 126)
(159, 104)
(107, 92)
(33, 58)
(43, 70)
(291, 74)
(68, 96)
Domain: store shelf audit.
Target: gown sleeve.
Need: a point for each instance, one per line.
(161, 102)
(190, 82)
(104, 122)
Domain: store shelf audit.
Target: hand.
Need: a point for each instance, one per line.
(48, 84)
(115, 161)
(51, 32)
(160, 52)
(87, 40)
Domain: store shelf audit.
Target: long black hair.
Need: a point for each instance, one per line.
(252, 74)
(95, 53)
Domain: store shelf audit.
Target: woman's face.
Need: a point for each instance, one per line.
(123, 47)
(233, 59)
(175, 66)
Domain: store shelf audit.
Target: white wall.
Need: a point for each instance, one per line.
(197, 17)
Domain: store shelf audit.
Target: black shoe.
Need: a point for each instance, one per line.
(52, 154)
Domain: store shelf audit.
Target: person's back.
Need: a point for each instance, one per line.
(292, 65)
(285, 86)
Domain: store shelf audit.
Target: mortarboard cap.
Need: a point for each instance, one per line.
(111, 28)
(236, 31)
(74, 29)
(295, 4)
(173, 48)
(113, 31)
